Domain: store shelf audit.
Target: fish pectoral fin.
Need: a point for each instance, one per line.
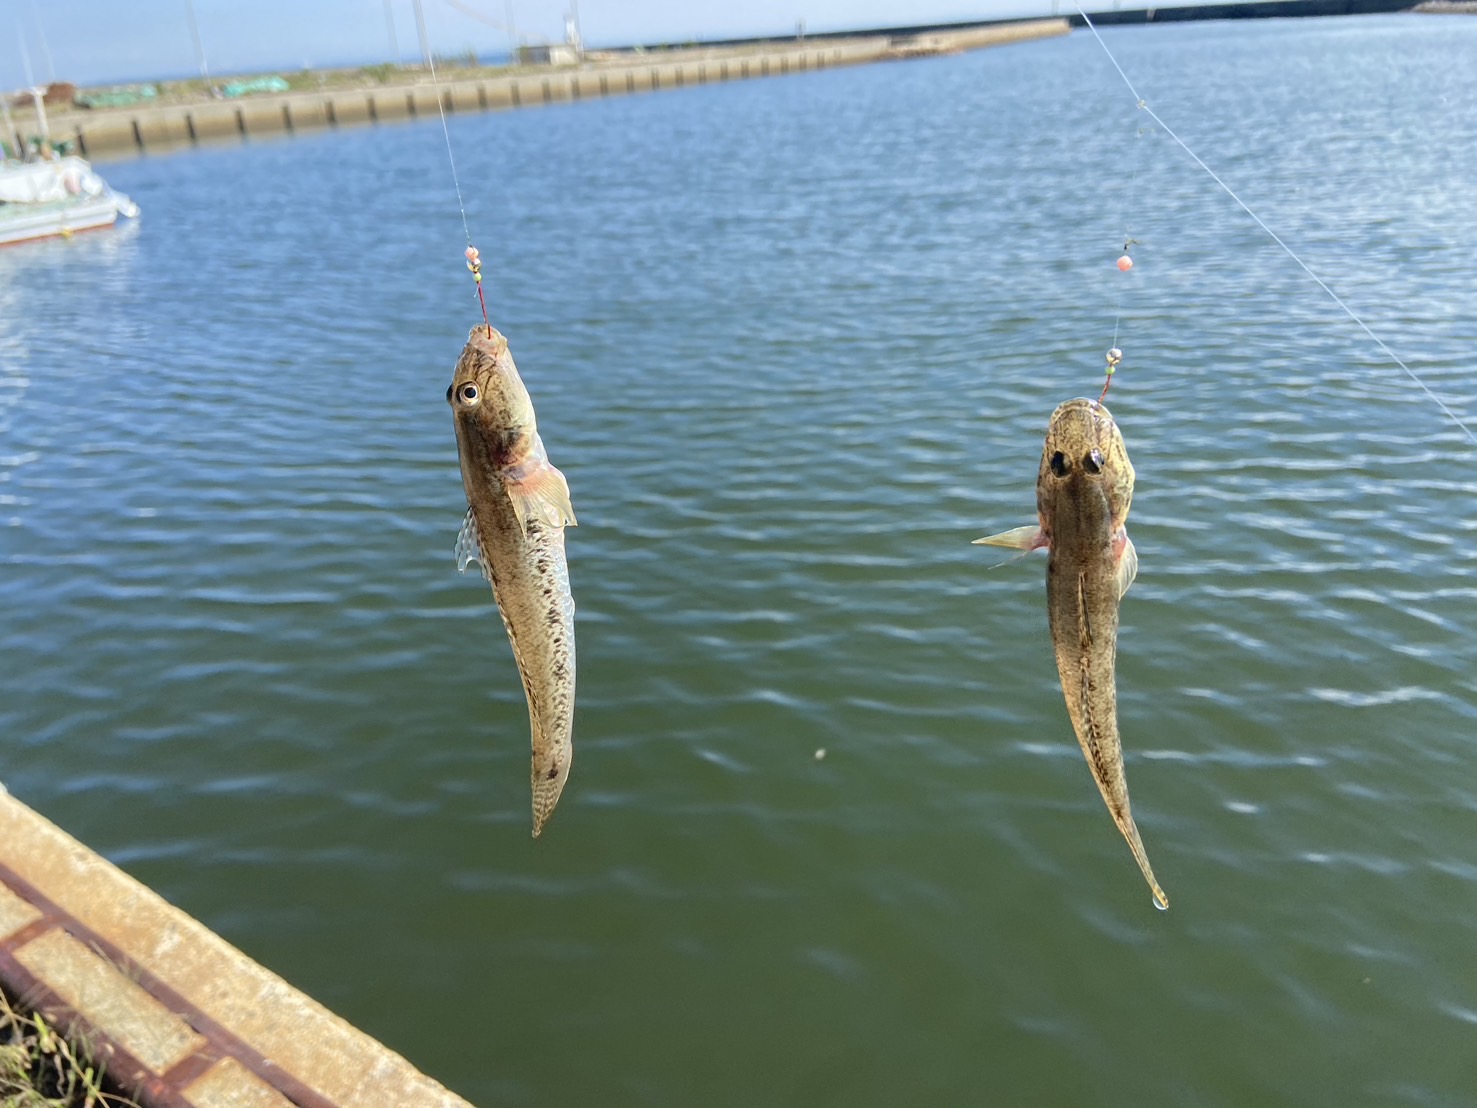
(1017, 538)
(542, 496)
(1128, 566)
(468, 548)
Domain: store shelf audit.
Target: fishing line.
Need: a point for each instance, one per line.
(1291, 253)
(473, 256)
(1114, 355)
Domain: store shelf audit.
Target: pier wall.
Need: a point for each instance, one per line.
(1256, 9)
(121, 130)
(181, 1018)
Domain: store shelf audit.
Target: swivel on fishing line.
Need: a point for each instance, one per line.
(474, 263)
(1114, 356)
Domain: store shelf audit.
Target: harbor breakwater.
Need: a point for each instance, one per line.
(146, 127)
(1258, 9)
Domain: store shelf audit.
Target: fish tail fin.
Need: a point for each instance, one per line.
(542, 495)
(549, 775)
(1017, 538)
(1131, 833)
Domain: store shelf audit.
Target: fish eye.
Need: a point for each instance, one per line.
(1093, 461)
(1059, 464)
(468, 393)
(448, 393)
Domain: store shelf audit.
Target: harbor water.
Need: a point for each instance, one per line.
(828, 838)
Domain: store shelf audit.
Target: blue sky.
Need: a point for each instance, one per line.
(89, 41)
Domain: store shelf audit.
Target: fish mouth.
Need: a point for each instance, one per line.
(488, 339)
(1084, 413)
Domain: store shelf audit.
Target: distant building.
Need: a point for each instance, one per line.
(558, 54)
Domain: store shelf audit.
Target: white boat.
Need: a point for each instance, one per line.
(60, 196)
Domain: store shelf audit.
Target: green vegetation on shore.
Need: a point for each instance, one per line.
(40, 1069)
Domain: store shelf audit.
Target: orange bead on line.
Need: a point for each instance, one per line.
(1125, 263)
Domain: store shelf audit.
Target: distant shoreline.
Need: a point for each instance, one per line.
(1258, 9)
(185, 113)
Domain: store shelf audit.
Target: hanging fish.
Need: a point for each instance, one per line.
(1082, 497)
(517, 509)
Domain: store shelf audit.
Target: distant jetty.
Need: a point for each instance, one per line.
(188, 113)
(1259, 9)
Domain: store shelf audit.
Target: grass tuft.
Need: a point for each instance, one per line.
(41, 1069)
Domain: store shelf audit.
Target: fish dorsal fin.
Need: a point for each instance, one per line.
(1128, 566)
(542, 495)
(1017, 538)
(468, 547)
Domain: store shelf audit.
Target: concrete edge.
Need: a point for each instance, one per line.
(180, 1017)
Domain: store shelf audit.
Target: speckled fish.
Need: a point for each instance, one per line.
(517, 509)
(1082, 498)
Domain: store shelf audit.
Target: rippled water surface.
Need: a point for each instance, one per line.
(794, 343)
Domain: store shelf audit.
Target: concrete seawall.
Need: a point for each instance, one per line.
(1257, 9)
(180, 1018)
(120, 130)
